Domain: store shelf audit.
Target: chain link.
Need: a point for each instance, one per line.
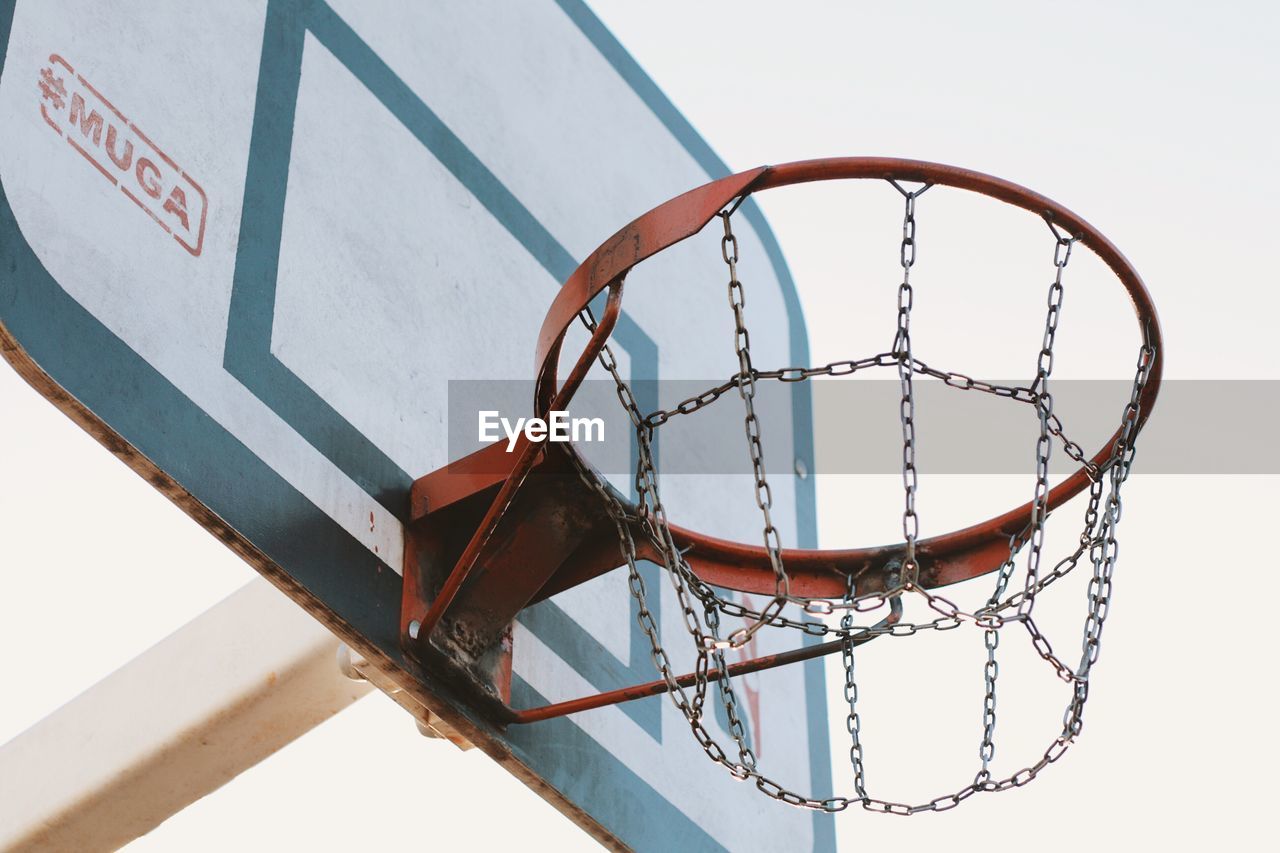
(1097, 539)
(737, 731)
(853, 723)
(1044, 443)
(991, 638)
(751, 424)
(1104, 551)
(907, 405)
(845, 367)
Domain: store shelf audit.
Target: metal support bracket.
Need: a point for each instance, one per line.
(551, 525)
(554, 534)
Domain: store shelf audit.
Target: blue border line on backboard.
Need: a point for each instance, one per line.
(801, 396)
(138, 404)
(248, 353)
(248, 356)
(141, 405)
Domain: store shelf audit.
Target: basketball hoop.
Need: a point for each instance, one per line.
(462, 591)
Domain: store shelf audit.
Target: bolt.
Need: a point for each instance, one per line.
(414, 627)
(802, 470)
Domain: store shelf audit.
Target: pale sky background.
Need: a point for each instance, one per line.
(1156, 121)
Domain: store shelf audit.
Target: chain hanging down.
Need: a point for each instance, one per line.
(751, 424)
(702, 606)
(907, 405)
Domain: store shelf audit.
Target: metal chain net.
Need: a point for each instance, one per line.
(702, 606)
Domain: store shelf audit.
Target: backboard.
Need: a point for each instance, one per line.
(249, 248)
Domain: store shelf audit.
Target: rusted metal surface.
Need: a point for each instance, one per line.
(548, 519)
(952, 557)
(427, 688)
(659, 229)
(527, 454)
(659, 687)
(530, 551)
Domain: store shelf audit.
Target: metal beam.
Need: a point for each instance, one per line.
(211, 700)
